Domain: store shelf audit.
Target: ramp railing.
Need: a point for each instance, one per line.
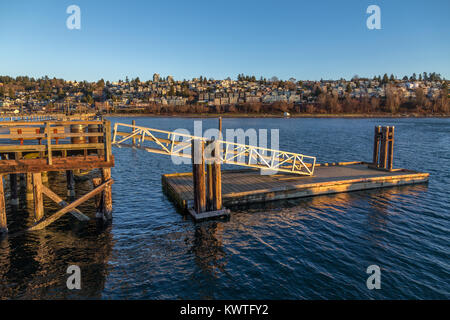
(173, 143)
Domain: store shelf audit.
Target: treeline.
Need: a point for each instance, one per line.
(327, 103)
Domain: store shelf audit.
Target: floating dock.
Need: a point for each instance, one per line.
(247, 186)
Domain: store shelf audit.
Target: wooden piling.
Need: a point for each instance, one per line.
(38, 199)
(209, 176)
(107, 193)
(70, 183)
(384, 148)
(99, 200)
(217, 178)
(210, 186)
(198, 173)
(220, 124)
(391, 149)
(3, 221)
(29, 190)
(107, 139)
(376, 145)
(13, 187)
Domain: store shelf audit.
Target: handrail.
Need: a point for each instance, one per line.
(229, 153)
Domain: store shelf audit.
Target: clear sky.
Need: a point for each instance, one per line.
(186, 39)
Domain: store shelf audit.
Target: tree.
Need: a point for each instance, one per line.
(385, 79)
(392, 100)
(171, 91)
(317, 91)
(100, 84)
(349, 88)
(420, 98)
(11, 93)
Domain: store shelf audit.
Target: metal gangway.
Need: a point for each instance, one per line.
(168, 143)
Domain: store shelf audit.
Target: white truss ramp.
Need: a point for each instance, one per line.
(178, 144)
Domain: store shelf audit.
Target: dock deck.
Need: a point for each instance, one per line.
(247, 186)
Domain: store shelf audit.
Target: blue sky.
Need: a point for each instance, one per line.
(186, 39)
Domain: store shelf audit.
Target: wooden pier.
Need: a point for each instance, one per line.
(31, 149)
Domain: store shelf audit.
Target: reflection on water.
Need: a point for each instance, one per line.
(310, 248)
(208, 248)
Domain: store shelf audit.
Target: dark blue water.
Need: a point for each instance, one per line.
(316, 248)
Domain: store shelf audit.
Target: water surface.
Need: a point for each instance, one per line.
(315, 248)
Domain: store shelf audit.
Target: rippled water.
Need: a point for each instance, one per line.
(315, 248)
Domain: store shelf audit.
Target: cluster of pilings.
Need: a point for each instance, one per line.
(207, 185)
(383, 149)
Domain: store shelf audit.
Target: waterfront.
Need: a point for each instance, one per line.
(313, 249)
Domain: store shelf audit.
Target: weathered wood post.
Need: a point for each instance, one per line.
(217, 177)
(70, 183)
(107, 139)
(29, 192)
(376, 145)
(198, 174)
(99, 200)
(13, 187)
(210, 184)
(384, 149)
(38, 199)
(3, 221)
(106, 172)
(107, 194)
(391, 149)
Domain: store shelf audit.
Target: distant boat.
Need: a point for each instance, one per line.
(287, 114)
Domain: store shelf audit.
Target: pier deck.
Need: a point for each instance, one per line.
(243, 187)
(31, 149)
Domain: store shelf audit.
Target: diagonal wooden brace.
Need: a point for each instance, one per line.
(53, 196)
(42, 224)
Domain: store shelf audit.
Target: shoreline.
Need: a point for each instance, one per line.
(244, 115)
